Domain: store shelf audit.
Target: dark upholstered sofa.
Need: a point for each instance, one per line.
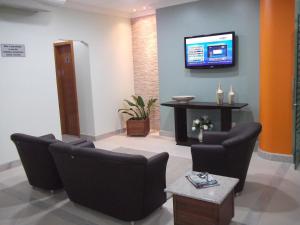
(227, 153)
(37, 161)
(127, 187)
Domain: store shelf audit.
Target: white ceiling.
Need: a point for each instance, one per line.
(123, 7)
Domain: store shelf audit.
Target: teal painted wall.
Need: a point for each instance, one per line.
(205, 17)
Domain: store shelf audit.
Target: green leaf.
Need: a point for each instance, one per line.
(130, 103)
(125, 111)
(130, 114)
(140, 102)
(134, 98)
(140, 105)
(136, 113)
(150, 105)
(139, 109)
(122, 110)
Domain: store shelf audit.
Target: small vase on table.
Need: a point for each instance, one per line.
(231, 95)
(219, 95)
(200, 135)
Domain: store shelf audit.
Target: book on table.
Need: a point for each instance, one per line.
(201, 179)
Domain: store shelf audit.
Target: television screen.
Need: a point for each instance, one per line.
(210, 51)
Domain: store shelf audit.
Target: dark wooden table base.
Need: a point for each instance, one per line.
(180, 117)
(189, 211)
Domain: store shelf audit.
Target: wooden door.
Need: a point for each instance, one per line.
(66, 87)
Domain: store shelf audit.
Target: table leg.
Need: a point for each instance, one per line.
(180, 125)
(226, 119)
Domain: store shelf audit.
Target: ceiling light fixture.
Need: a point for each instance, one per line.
(53, 2)
(134, 10)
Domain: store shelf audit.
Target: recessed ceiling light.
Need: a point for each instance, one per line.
(55, 2)
(144, 8)
(134, 10)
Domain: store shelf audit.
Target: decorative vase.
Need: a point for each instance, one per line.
(231, 95)
(220, 95)
(200, 135)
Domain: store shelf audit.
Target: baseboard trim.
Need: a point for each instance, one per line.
(275, 156)
(87, 137)
(166, 133)
(102, 136)
(10, 165)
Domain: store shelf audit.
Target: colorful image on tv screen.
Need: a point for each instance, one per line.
(209, 50)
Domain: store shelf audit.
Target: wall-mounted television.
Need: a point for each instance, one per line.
(210, 51)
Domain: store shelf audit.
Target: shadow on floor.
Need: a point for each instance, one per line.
(25, 201)
(237, 223)
(267, 198)
(71, 213)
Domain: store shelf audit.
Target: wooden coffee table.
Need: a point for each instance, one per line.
(208, 206)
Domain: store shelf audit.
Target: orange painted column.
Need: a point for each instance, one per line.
(276, 74)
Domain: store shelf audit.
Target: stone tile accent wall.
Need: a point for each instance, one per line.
(144, 43)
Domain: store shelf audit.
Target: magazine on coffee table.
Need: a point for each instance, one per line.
(201, 179)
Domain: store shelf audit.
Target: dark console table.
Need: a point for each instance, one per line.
(180, 117)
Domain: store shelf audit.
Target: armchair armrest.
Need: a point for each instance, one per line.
(48, 137)
(214, 137)
(77, 142)
(209, 158)
(86, 144)
(237, 140)
(155, 182)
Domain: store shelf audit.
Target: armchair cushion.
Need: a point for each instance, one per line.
(209, 158)
(214, 137)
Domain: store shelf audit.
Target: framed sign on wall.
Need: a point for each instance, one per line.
(12, 50)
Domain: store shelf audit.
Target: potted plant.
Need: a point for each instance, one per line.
(138, 124)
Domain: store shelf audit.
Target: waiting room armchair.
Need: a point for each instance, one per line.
(227, 153)
(37, 161)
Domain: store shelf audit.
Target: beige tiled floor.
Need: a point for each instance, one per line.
(271, 195)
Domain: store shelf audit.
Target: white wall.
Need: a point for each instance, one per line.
(28, 92)
(84, 88)
(112, 75)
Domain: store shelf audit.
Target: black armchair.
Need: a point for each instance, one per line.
(127, 187)
(37, 160)
(227, 153)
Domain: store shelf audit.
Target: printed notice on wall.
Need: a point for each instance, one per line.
(12, 50)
